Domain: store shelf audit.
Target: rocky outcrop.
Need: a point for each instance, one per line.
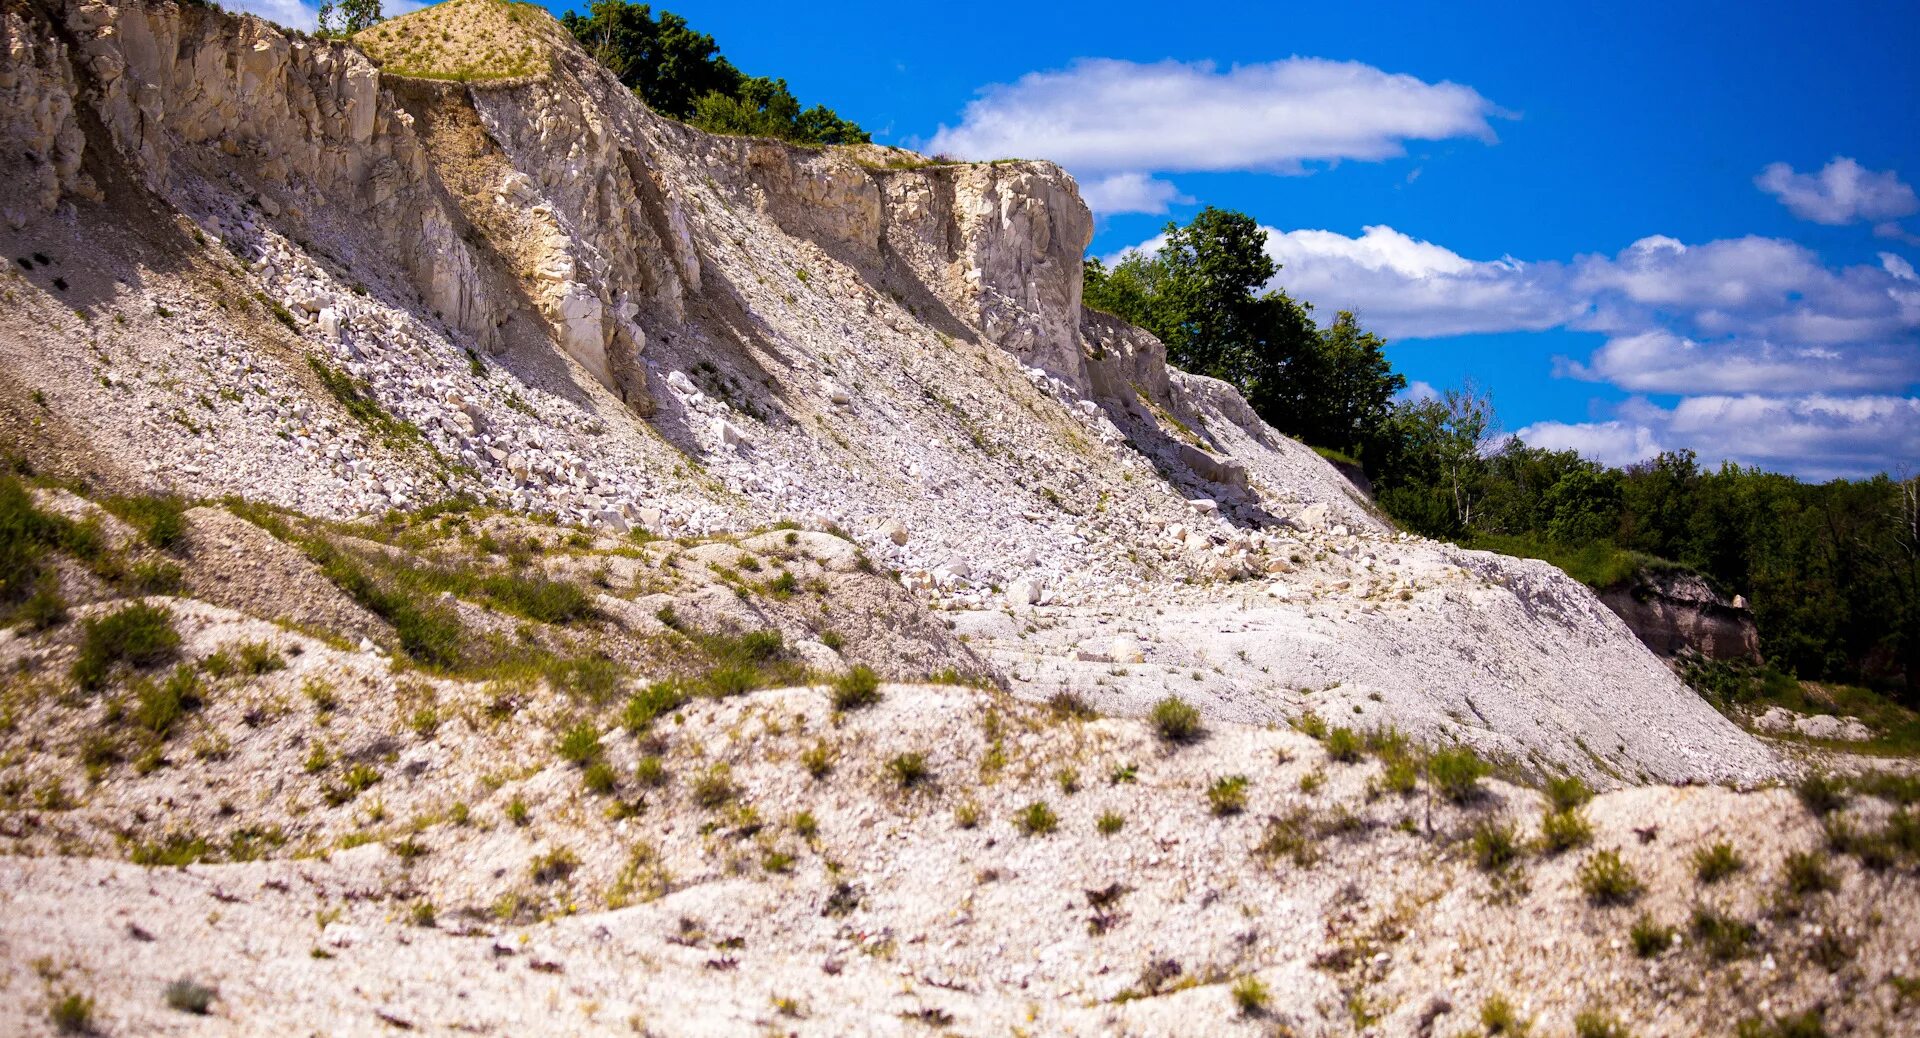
(1675, 613)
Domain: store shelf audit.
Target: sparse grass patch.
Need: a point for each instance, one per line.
(1068, 705)
(1822, 793)
(1809, 1024)
(966, 815)
(1343, 745)
(1607, 879)
(139, 635)
(1292, 836)
(1564, 830)
(651, 771)
(1175, 721)
(1722, 936)
(1495, 844)
(1568, 792)
(580, 745)
(159, 519)
(1036, 819)
(1109, 823)
(518, 812)
(1594, 1023)
(909, 770)
(599, 778)
(714, 788)
(1456, 773)
(1250, 995)
(819, 758)
(1227, 795)
(1649, 937)
(856, 689)
(1715, 863)
(556, 864)
(1806, 872)
(71, 1013)
(651, 703)
(189, 996)
(1498, 1017)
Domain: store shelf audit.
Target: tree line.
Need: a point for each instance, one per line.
(1831, 570)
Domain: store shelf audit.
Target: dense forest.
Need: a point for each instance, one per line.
(1832, 570)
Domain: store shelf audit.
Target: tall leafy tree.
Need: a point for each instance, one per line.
(347, 17)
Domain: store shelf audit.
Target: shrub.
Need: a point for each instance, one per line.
(1310, 725)
(651, 703)
(1068, 780)
(594, 679)
(599, 778)
(1564, 830)
(1398, 776)
(909, 769)
(1822, 793)
(517, 811)
(714, 788)
(818, 759)
(1342, 745)
(966, 815)
(160, 520)
(44, 609)
(1227, 795)
(856, 689)
(1037, 819)
(1723, 937)
(580, 745)
(1250, 995)
(139, 635)
(730, 679)
(556, 864)
(1290, 835)
(1456, 772)
(1649, 937)
(1805, 872)
(1176, 721)
(71, 1013)
(1110, 822)
(1715, 863)
(1495, 845)
(160, 707)
(651, 771)
(1069, 705)
(190, 997)
(1609, 880)
(257, 658)
(1568, 792)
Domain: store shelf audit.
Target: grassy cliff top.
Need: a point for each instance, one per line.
(466, 40)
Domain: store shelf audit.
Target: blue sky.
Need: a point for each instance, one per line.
(1641, 227)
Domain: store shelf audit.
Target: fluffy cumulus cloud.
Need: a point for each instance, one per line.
(1131, 193)
(1778, 359)
(1104, 117)
(1841, 192)
(1816, 436)
(306, 17)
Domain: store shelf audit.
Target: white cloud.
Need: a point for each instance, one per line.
(1418, 391)
(290, 13)
(1405, 288)
(1816, 436)
(1106, 116)
(1131, 193)
(1662, 362)
(1841, 192)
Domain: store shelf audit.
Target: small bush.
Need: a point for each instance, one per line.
(1291, 836)
(1822, 793)
(966, 815)
(1037, 819)
(856, 689)
(1609, 880)
(517, 811)
(1806, 872)
(651, 771)
(651, 703)
(1649, 937)
(909, 769)
(1176, 721)
(714, 788)
(1250, 995)
(591, 679)
(818, 759)
(1399, 775)
(159, 707)
(556, 864)
(580, 745)
(1343, 746)
(1069, 705)
(1723, 937)
(1564, 830)
(1456, 773)
(71, 1013)
(1568, 792)
(1495, 845)
(188, 996)
(160, 520)
(257, 658)
(730, 679)
(599, 778)
(1227, 795)
(44, 609)
(1110, 822)
(139, 635)
(1715, 863)
(1310, 725)
(1068, 780)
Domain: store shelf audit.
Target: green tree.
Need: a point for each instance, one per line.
(680, 72)
(347, 16)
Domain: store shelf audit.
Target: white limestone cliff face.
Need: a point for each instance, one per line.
(588, 310)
